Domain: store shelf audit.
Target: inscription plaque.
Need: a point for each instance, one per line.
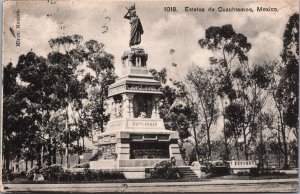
(148, 124)
(148, 150)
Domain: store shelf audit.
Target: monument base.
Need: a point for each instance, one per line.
(129, 172)
(131, 151)
(117, 164)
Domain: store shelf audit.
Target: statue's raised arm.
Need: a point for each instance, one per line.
(128, 14)
(136, 26)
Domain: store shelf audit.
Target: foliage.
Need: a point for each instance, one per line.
(49, 102)
(225, 39)
(56, 172)
(102, 63)
(30, 173)
(52, 172)
(83, 165)
(7, 175)
(285, 89)
(164, 170)
(174, 110)
(230, 49)
(18, 129)
(217, 168)
(290, 58)
(159, 75)
(205, 85)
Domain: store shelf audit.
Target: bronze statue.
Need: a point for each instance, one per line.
(136, 26)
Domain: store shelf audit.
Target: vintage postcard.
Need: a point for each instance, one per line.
(150, 96)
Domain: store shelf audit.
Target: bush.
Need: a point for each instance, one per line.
(23, 174)
(56, 172)
(243, 173)
(19, 175)
(218, 168)
(94, 175)
(30, 173)
(164, 170)
(266, 172)
(7, 175)
(207, 167)
(83, 165)
(53, 172)
(112, 175)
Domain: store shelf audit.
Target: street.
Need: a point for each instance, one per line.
(276, 185)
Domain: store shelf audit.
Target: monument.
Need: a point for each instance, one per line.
(135, 137)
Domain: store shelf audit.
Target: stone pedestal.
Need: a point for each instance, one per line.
(135, 138)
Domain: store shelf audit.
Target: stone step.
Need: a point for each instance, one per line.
(186, 172)
(189, 175)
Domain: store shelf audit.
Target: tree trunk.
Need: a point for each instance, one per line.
(196, 141)
(61, 153)
(42, 156)
(226, 155)
(31, 163)
(285, 150)
(54, 151)
(26, 164)
(39, 158)
(61, 157)
(49, 152)
(208, 143)
(236, 145)
(7, 159)
(237, 151)
(102, 113)
(279, 163)
(83, 144)
(68, 130)
(67, 154)
(261, 158)
(245, 145)
(286, 165)
(78, 151)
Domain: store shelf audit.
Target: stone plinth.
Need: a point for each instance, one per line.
(135, 137)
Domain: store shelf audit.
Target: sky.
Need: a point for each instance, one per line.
(42, 20)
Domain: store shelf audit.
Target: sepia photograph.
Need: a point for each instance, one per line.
(150, 96)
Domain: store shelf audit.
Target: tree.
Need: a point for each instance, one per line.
(159, 75)
(177, 113)
(235, 115)
(230, 49)
(290, 58)
(252, 84)
(205, 84)
(39, 95)
(69, 89)
(54, 92)
(285, 87)
(280, 97)
(102, 64)
(13, 123)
